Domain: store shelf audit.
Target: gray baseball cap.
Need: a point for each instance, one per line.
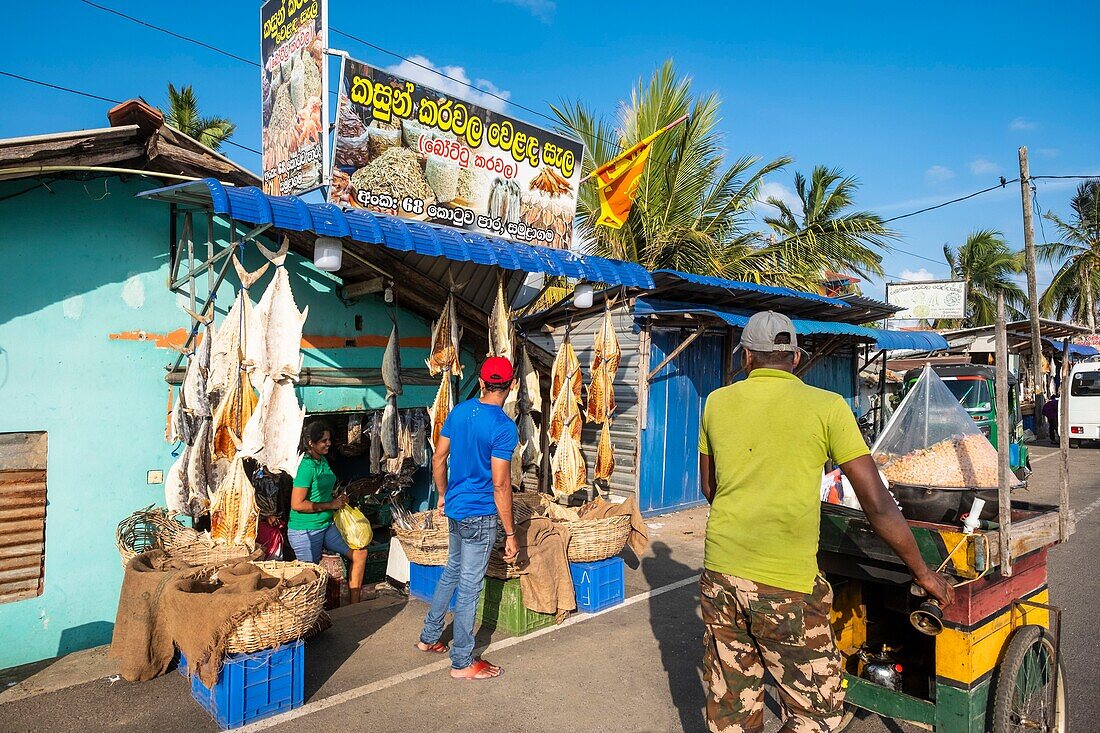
(762, 329)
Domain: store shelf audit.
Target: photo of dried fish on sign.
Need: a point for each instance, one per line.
(292, 78)
(407, 150)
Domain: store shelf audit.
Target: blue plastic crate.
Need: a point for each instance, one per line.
(255, 686)
(599, 585)
(181, 663)
(422, 582)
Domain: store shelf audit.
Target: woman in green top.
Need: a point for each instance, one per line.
(311, 529)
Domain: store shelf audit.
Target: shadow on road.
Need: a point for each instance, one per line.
(329, 651)
(678, 629)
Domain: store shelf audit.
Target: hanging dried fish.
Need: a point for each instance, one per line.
(391, 429)
(566, 370)
(446, 334)
(273, 433)
(530, 392)
(570, 472)
(517, 467)
(232, 337)
(234, 515)
(198, 473)
(565, 411)
(441, 407)
(418, 438)
(500, 326)
(175, 486)
(601, 395)
(605, 348)
(376, 443)
(233, 414)
(355, 428)
(391, 364)
(530, 450)
(605, 454)
(279, 322)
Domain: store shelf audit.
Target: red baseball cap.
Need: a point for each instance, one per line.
(497, 370)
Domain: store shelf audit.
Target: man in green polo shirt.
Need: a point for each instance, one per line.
(762, 446)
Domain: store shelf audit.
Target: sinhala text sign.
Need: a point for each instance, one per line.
(928, 300)
(405, 149)
(292, 55)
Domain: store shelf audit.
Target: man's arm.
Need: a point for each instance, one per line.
(708, 481)
(890, 525)
(502, 495)
(439, 468)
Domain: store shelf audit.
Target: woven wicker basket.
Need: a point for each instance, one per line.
(151, 528)
(425, 546)
(201, 554)
(597, 539)
(293, 615)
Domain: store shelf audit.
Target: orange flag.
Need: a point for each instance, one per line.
(618, 182)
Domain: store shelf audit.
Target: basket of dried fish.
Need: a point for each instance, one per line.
(423, 536)
(151, 528)
(591, 539)
(294, 613)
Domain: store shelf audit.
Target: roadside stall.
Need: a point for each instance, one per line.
(991, 660)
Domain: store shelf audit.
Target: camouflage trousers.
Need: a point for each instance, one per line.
(752, 627)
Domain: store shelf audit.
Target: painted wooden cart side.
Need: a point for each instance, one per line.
(674, 407)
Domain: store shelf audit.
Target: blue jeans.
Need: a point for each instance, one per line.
(470, 539)
(309, 543)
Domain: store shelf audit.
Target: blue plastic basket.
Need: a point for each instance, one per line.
(599, 585)
(422, 582)
(255, 686)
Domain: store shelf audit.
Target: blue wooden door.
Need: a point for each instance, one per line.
(669, 465)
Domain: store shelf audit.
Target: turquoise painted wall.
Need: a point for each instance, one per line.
(78, 266)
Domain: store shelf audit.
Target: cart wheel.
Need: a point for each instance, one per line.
(1022, 698)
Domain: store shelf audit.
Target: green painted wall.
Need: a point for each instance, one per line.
(79, 265)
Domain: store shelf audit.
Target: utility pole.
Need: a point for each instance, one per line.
(1032, 294)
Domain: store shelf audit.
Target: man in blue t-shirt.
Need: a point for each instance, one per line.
(478, 438)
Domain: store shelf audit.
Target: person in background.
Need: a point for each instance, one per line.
(477, 440)
(1050, 412)
(765, 604)
(310, 529)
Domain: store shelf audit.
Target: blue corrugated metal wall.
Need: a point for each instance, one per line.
(836, 373)
(670, 443)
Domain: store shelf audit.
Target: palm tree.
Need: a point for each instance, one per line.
(988, 265)
(1075, 286)
(692, 208)
(183, 114)
(825, 235)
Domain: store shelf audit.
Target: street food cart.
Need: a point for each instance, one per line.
(988, 662)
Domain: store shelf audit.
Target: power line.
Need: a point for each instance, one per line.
(1002, 184)
(1090, 178)
(131, 18)
(99, 97)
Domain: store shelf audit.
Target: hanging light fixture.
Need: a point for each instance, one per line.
(328, 253)
(582, 295)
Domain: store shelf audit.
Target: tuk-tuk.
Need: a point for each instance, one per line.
(974, 385)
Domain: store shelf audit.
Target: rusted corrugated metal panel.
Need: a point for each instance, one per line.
(22, 514)
(624, 423)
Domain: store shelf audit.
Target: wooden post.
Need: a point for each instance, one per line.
(880, 418)
(1032, 293)
(1065, 517)
(1004, 495)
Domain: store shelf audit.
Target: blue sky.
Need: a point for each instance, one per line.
(922, 106)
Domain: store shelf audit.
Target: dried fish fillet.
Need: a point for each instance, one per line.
(445, 353)
(530, 450)
(175, 487)
(565, 412)
(441, 407)
(232, 338)
(605, 454)
(570, 472)
(601, 395)
(279, 323)
(273, 433)
(234, 515)
(566, 370)
(376, 443)
(500, 326)
(530, 392)
(605, 348)
(232, 415)
(391, 364)
(391, 429)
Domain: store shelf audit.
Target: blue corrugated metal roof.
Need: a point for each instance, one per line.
(1082, 350)
(660, 276)
(251, 205)
(883, 339)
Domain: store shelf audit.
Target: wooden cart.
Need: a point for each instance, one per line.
(995, 665)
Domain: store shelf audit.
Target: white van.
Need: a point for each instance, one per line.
(1084, 403)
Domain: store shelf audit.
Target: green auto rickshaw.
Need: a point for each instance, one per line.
(974, 385)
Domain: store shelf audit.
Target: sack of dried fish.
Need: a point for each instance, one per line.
(932, 441)
(381, 139)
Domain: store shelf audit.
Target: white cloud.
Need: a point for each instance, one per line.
(938, 174)
(916, 275)
(455, 85)
(1022, 123)
(983, 167)
(773, 189)
(541, 9)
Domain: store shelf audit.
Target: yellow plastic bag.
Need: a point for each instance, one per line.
(354, 527)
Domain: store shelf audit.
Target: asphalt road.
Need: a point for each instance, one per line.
(634, 668)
